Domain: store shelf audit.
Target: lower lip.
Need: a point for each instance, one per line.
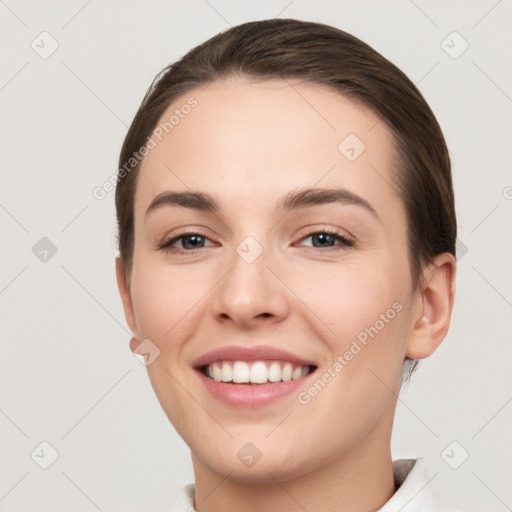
(251, 395)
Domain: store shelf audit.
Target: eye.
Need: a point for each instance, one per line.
(326, 239)
(193, 241)
(190, 242)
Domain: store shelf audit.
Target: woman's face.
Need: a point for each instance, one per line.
(263, 275)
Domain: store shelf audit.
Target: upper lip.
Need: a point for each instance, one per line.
(243, 353)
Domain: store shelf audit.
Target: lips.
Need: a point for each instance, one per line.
(252, 376)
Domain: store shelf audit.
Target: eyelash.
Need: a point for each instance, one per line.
(166, 246)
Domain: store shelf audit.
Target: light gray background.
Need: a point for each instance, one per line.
(67, 375)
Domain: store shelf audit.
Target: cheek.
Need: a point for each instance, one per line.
(163, 298)
(356, 300)
(357, 388)
(367, 315)
(163, 301)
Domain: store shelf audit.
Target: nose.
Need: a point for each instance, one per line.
(250, 293)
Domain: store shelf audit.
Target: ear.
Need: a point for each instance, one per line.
(124, 290)
(433, 311)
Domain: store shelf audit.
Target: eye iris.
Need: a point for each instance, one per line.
(322, 237)
(197, 239)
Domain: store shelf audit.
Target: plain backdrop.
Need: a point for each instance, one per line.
(73, 74)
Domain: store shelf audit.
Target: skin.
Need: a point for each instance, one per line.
(249, 144)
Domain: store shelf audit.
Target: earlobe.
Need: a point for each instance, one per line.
(433, 319)
(125, 293)
(134, 343)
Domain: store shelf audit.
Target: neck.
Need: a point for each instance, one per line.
(361, 480)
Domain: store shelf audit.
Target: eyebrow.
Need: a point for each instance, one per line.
(301, 198)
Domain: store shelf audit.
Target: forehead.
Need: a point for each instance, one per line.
(249, 143)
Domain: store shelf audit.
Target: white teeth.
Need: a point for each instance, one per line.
(241, 372)
(297, 373)
(257, 372)
(274, 372)
(217, 374)
(227, 372)
(287, 372)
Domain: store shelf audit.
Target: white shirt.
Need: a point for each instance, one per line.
(414, 493)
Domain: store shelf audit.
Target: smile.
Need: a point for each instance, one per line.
(255, 372)
(252, 376)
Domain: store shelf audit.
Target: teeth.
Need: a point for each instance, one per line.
(216, 371)
(287, 372)
(257, 372)
(297, 373)
(241, 372)
(274, 372)
(227, 372)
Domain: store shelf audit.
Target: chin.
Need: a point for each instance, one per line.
(245, 462)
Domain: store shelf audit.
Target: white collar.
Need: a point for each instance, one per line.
(414, 494)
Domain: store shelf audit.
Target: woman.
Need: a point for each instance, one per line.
(287, 253)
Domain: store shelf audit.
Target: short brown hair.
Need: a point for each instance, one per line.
(320, 54)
